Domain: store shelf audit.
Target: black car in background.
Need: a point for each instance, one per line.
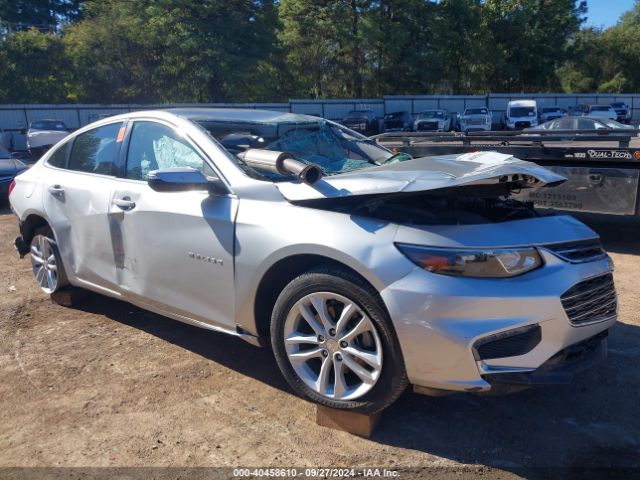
(582, 123)
(623, 112)
(9, 168)
(397, 122)
(362, 121)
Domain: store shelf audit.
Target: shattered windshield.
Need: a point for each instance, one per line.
(333, 148)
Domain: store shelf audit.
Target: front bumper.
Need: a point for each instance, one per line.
(559, 369)
(476, 128)
(440, 320)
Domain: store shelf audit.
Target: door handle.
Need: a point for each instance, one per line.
(124, 203)
(56, 191)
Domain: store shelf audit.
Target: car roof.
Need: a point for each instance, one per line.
(241, 115)
(522, 103)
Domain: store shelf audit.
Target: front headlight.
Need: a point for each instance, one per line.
(488, 263)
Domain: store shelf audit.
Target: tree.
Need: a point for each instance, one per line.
(528, 41)
(180, 51)
(45, 15)
(33, 68)
(406, 55)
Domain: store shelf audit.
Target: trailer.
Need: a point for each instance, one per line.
(602, 167)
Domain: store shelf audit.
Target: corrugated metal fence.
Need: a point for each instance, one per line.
(17, 117)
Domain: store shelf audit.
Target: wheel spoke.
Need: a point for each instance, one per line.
(373, 359)
(323, 377)
(39, 274)
(361, 327)
(44, 247)
(320, 305)
(310, 319)
(347, 312)
(365, 375)
(36, 256)
(340, 386)
(305, 355)
(51, 280)
(296, 339)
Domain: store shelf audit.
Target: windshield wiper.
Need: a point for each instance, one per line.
(396, 156)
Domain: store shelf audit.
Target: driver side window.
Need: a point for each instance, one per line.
(155, 146)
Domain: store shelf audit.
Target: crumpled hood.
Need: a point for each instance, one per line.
(427, 173)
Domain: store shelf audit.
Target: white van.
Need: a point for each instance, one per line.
(521, 114)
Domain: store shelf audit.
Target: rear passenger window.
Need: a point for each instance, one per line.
(59, 157)
(94, 151)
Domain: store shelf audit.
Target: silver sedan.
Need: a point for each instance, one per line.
(364, 270)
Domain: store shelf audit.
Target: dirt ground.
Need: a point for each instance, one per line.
(107, 384)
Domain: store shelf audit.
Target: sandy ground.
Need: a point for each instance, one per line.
(107, 384)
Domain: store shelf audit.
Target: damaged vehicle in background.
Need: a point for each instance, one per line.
(362, 121)
(397, 122)
(551, 113)
(42, 134)
(9, 168)
(623, 112)
(582, 123)
(432, 121)
(521, 114)
(362, 269)
(475, 119)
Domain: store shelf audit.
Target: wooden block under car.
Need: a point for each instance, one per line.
(68, 297)
(356, 423)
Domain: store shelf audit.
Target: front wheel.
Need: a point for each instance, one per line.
(45, 261)
(334, 342)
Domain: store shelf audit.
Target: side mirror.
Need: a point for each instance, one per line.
(184, 179)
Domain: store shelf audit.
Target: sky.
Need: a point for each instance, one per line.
(605, 13)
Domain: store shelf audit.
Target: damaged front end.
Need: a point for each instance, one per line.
(447, 190)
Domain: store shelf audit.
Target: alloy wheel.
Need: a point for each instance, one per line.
(44, 264)
(333, 346)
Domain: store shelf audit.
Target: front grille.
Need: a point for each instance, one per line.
(427, 126)
(590, 301)
(509, 344)
(523, 124)
(578, 252)
(476, 121)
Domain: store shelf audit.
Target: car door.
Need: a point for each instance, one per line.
(174, 250)
(76, 196)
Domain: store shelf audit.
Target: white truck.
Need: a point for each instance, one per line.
(521, 114)
(42, 134)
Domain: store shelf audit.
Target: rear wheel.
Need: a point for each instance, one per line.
(334, 342)
(46, 263)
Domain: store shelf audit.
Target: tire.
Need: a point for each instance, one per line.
(368, 363)
(46, 262)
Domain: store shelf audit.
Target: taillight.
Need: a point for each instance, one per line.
(12, 185)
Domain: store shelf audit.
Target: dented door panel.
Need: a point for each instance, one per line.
(76, 204)
(175, 250)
